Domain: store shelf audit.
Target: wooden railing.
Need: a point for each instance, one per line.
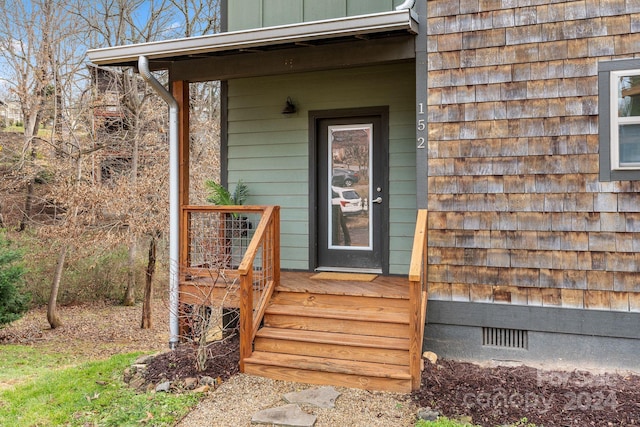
(266, 241)
(238, 242)
(418, 270)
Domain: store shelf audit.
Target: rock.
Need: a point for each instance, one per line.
(207, 381)
(137, 382)
(190, 383)
(138, 367)
(202, 389)
(322, 397)
(465, 419)
(144, 360)
(163, 387)
(127, 375)
(288, 415)
(430, 356)
(428, 414)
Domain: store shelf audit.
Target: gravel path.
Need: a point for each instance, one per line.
(237, 400)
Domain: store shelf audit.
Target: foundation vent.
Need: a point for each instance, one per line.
(505, 338)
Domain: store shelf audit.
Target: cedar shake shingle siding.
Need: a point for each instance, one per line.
(517, 211)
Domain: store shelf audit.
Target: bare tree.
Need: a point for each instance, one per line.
(38, 47)
(113, 23)
(197, 17)
(42, 46)
(26, 47)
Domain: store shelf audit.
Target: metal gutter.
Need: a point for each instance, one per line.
(174, 202)
(399, 20)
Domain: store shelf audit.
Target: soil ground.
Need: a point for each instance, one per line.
(92, 331)
(489, 395)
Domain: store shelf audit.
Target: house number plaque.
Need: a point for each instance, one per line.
(422, 126)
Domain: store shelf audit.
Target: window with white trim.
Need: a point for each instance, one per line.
(625, 120)
(619, 121)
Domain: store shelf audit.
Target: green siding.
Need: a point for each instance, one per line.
(270, 151)
(363, 7)
(326, 9)
(244, 14)
(248, 14)
(281, 12)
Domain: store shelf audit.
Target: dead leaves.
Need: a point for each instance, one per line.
(147, 419)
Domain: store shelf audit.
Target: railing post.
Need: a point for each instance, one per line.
(276, 245)
(417, 297)
(246, 316)
(415, 341)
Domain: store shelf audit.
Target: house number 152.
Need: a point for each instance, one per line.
(422, 125)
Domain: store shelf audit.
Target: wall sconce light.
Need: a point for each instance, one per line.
(290, 107)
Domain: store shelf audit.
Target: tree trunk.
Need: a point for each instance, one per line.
(130, 293)
(129, 297)
(27, 206)
(52, 308)
(148, 288)
(28, 203)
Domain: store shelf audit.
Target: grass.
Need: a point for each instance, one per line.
(442, 422)
(446, 422)
(91, 393)
(20, 363)
(44, 132)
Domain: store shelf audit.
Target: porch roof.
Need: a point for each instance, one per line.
(161, 53)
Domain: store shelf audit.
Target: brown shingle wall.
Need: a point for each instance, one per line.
(517, 212)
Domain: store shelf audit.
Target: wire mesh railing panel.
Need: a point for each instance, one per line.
(231, 248)
(219, 239)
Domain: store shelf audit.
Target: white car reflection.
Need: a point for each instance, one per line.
(348, 199)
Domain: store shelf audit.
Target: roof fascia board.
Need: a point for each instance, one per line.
(246, 39)
(285, 61)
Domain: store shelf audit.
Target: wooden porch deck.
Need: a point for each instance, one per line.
(204, 290)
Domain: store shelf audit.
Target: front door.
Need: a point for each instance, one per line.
(351, 191)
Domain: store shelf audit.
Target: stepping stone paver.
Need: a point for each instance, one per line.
(288, 416)
(322, 397)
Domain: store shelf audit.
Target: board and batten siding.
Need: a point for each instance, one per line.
(270, 151)
(517, 211)
(248, 14)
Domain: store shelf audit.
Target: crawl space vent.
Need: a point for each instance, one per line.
(505, 338)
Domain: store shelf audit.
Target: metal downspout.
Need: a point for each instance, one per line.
(408, 4)
(174, 191)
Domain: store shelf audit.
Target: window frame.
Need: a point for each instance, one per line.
(608, 72)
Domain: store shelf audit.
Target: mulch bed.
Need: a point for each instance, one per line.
(502, 395)
(222, 362)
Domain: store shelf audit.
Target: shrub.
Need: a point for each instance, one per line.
(13, 301)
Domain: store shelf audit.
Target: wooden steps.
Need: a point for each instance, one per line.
(341, 336)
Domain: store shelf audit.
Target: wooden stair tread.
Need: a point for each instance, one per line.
(283, 373)
(382, 286)
(323, 364)
(334, 338)
(312, 299)
(359, 327)
(381, 315)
